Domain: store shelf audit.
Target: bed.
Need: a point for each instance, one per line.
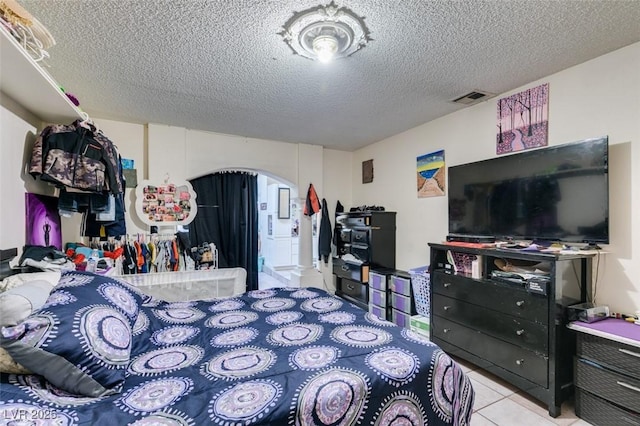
(113, 355)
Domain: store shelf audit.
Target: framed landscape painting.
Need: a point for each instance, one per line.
(431, 174)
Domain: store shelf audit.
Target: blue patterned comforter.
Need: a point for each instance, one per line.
(270, 357)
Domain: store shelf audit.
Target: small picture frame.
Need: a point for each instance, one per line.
(284, 203)
(367, 171)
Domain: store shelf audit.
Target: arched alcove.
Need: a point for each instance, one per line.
(280, 209)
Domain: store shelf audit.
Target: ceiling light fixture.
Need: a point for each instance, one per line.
(325, 33)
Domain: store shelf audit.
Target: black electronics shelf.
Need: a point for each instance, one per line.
(366, 240)
(506, 328)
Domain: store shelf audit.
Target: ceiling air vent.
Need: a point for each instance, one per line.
(473, 97)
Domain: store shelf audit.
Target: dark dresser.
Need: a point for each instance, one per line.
(607, 372)
(366, 240)
(515, 330)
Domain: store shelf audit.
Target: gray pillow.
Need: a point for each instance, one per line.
(19, 302)
(16, 304)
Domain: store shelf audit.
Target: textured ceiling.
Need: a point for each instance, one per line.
(221, 65)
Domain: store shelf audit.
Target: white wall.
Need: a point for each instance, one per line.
(599, 97)
(17, 134)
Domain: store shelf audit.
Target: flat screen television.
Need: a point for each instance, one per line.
(559, 193)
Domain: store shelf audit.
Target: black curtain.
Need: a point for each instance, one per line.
(228, 217)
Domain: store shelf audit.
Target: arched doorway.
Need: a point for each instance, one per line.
(278, 210)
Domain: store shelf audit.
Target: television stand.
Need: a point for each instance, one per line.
(516, 331)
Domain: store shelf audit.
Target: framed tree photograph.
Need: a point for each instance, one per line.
(523, 120)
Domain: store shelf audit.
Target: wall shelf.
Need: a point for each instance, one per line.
(26, 82)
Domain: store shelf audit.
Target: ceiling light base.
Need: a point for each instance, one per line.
(325, 33)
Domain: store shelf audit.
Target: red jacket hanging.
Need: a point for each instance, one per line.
(312, 205)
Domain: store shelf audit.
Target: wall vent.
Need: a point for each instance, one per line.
(473, 97)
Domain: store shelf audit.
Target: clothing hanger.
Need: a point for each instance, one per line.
(88, 123)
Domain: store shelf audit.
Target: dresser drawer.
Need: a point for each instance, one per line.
(527, 364)
(360, 236)
(353, 271)
(621, 357)
(602, 382)
(345, 235)
(377, 297)
(530, 335)
(353, 220)
(402, 319)
(377, 281)
(354, 289)
(400, 285)
(402, 303)
(360, 251)
(599, 412)
(503, 298)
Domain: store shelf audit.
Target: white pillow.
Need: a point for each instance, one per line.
(16, 280)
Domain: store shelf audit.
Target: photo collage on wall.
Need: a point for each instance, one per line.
(169, 203)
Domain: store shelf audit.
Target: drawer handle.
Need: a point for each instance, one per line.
(447, 285)
(628, 386)
(358, 237)
(520, 332)
(520, 303)
(446, 330)
(446, 308)
(350, 286)
(345, 268)
(628, 352)
(519, 361)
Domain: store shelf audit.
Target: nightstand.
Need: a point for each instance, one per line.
(607, 372)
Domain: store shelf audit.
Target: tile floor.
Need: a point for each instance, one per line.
(267, 281)
(496, 402)
(499, 403)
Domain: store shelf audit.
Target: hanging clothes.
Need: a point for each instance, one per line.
(312, 204)
(86, 165)
(92, 227)
(336, 232)
(77, 156)
(324, 238)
